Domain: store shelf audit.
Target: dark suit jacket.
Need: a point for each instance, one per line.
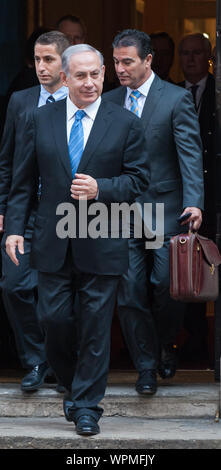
(20, 102)
(207, 118)
(174, 149)
(115, 155)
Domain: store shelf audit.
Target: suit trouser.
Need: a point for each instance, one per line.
(19, 294)
(85, 376)
(149, 317)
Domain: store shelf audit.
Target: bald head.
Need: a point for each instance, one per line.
(194, 53)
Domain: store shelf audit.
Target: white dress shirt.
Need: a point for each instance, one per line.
(58, 95)
(87, 121)
(144, 90)
(199, 93)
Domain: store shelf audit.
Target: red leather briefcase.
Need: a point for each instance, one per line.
(194, 272)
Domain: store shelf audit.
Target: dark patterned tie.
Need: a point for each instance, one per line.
(194, 90)
(50, 99)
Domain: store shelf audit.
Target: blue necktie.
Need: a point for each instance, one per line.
(134, 103)
(76, 141)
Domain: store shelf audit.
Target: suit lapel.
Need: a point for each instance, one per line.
(33, 96)
(207, 103)
(60, 133)
(151, 101)
(99, 128)
(121, 95)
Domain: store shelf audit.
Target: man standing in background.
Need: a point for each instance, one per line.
(163, 46)
(75, 30)
(195, 53)
(73, 27)
(19, 286)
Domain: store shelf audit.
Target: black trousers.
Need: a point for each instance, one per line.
(149, 317)
(84, 374)
(19, 294)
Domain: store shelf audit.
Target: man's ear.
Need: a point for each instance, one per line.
(63, 78)
(149, 59)
(103, 70)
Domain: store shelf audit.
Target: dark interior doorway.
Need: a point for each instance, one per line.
(209, 355)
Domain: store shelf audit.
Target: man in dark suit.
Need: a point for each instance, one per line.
(164, 48)
(75, 30)
(107, 147)
(19, 286)
(149, 318)
(73, 27)
(195, 53)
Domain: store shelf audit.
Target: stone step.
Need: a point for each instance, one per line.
(116, 433)
(174, 399)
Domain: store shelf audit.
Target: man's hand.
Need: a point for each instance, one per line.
(1, 223)
(12, 242)
(84, 186)
(196, 217)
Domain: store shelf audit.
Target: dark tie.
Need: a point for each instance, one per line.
(76, 141)
(50, 99)
(134, 101)
(194, 90)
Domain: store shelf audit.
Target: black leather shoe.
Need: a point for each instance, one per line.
(87, 426)
(147, 382)
(35, 378)
(168, 361)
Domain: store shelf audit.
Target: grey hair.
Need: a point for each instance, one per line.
(78, 48)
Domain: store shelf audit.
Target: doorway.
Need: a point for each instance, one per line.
(177, 19)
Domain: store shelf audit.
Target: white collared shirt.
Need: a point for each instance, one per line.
(144, 90)
(58, 95)
(199, 93)
(87, 121)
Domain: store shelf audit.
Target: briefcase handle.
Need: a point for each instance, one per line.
(191, 227)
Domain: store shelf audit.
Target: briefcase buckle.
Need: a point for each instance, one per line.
(212, 269)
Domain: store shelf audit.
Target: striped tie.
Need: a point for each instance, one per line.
(50, 99)
(76, 141)
(134, 103)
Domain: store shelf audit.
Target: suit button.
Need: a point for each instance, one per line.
(209, 133)
(205, 171)
(205, 151)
